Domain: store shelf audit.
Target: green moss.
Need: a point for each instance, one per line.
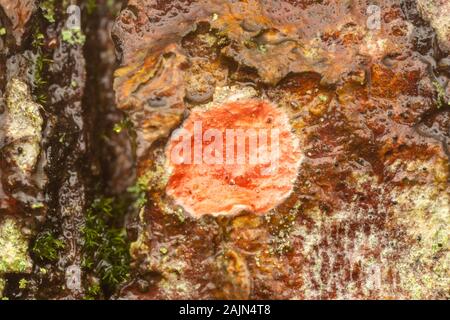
(122, 125)
(73, 36)
(262, 48)
(208, 39)
(139, 190)
(2, 31)
(23, 283)
(40, 65)
(47, 247)
(180, 215)
(118, 127)
(48, 10)
(91, 5)
(323, 98)
(106, 251)
(39, 82)
(37, 205)
(2, 286)
(440, 94)
(93, 292)
(281, 228)
(38, 39)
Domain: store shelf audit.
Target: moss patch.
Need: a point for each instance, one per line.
(106, 250)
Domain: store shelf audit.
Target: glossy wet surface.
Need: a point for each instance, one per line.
(366, 217)
(371, 198)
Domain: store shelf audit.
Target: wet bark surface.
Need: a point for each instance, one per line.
(75, 104)
(361, 101)
(87, 202)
